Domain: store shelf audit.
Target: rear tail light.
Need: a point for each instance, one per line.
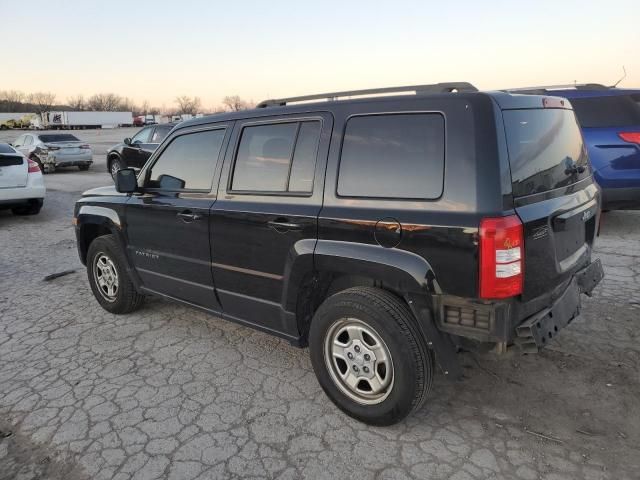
(501, 257)
(33, 166)
(631, 137)
(86, 147)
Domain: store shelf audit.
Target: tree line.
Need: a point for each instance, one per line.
(40, 102)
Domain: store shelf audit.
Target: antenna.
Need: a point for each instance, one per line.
(624, 70)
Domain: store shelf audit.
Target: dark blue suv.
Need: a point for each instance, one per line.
(610, 121)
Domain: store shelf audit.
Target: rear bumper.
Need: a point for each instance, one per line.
(627, 198)
(509, 322)
(536, 331)
(69, 160)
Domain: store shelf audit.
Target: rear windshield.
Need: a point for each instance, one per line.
(545, 150)
(4, 148)
(603, 112)
(58, 137)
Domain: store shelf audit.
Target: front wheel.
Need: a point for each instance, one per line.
(114, 167)
(369, 356)
(108, 277)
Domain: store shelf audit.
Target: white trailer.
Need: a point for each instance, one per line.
(78, 120)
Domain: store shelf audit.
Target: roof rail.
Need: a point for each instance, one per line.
(447, 87)
(547, 88)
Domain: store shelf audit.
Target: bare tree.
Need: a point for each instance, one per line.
(188, 105)
(12, 99)
(76, 103)
(42, 101)
(106, 102)
(234, 103)
(145, 107)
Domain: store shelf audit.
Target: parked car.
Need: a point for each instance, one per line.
(21, 184)
(610, 121)
(134, 152)
(54, 150)
(383, 232)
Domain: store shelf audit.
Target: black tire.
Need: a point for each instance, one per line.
(84, 168)
(126, 298)
(33, 208)
(411, 359)
(114, 165)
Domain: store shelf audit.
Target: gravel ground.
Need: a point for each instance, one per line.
(170, 392)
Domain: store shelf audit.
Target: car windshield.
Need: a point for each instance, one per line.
(58, 137)
(606, 112)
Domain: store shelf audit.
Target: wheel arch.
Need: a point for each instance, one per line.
(324, 267)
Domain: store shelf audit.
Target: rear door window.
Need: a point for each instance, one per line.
(545, 150)
(188, 162)
(159, 134)
(607, 112)
(393, 156)
(277, 157)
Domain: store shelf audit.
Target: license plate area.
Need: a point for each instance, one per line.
(537, 331)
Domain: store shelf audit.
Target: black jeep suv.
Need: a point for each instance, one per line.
(386, 232)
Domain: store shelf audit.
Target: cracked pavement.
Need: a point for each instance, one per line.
(171, 392)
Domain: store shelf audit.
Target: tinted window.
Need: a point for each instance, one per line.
(188, 162)
(545, 150)
(618, 111)
(393, 156)
(142, 136)
(4, 148)
(303, 165)
(159, 133)
(277, 157)
(58, 137)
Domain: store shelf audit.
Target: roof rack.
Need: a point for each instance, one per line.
(547, 88)
(447, 87)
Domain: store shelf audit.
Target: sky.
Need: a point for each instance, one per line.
(158, 50)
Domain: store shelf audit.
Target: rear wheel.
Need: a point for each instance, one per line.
(32, 208)
(369, 357)
(108, 277)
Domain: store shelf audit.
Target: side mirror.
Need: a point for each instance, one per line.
(126, 181)
(127, 141)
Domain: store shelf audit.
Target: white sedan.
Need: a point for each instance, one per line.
(21, 184)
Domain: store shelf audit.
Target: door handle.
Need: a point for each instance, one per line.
(187, 216)
(281, 224)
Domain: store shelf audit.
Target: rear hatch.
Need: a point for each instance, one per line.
(554, 195)
(611, 127)
(13, 168)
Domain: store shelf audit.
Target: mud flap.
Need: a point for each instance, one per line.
(439, 342)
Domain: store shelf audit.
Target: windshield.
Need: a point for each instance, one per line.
(58, 137)
(545, 150)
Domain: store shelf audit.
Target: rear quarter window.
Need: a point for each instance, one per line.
(393, 156)
(607, 112)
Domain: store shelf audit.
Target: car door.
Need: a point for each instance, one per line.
(168, 224)
(27, 146)
(135, 153)
(268, 202)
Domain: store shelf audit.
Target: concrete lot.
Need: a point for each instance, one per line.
(170, 392)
